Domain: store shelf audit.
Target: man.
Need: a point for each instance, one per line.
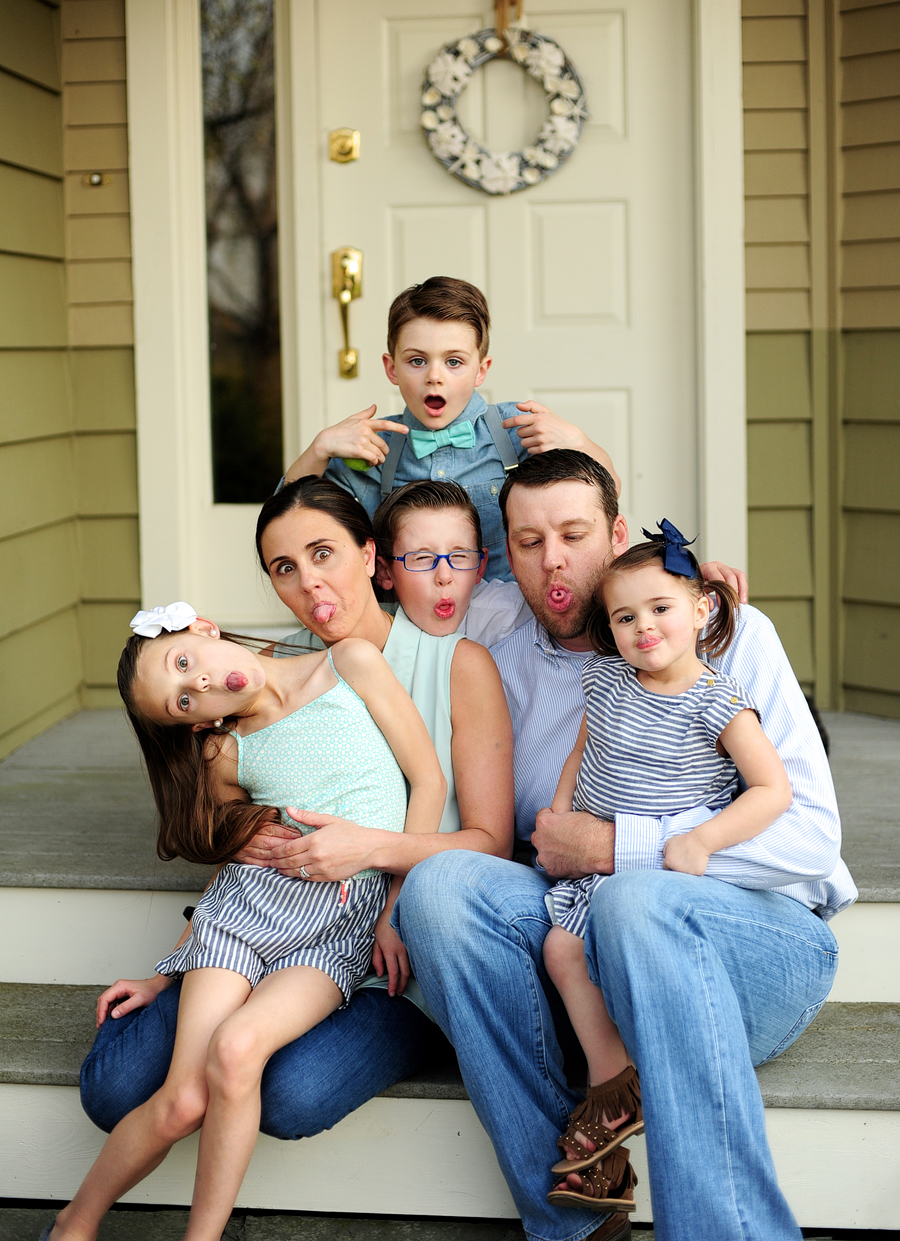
(705, 976)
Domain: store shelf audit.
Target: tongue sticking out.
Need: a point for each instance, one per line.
(444, 609)
(323, 612)
(235, 681)
(559, 598)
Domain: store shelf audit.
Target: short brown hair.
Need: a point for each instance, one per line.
(721, 628)
(446, 300)
(427, 494)
(563, 465)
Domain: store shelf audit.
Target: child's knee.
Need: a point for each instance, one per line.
(563, 954)
(235, 1058)
(180, 1110)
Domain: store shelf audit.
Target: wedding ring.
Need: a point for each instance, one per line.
(304, 873)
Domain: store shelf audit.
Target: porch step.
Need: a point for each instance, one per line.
(833, 1102)
(80, 872)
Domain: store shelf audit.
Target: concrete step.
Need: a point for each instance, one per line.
(82, 880)
(833, 1102)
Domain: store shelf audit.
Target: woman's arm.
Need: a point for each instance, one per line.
(768, 795)
(482, 767)
(565, 790)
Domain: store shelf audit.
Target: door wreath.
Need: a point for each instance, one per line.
(502, 172)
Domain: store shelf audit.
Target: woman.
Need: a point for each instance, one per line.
(316, 544)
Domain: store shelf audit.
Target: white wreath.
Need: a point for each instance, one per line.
(507, 171)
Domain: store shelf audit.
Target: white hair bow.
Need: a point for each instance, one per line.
(172, 618)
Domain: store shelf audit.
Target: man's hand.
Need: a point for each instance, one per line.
(138, 993)
(389, 954)
(715, 571)
(686, 854)
(258, 850)
(574, 843)
(540, 429)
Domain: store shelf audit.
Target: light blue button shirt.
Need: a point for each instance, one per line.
(478, 469)
(799, 855)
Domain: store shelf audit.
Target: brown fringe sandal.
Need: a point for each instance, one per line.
(620, 1094)
(608, 1186)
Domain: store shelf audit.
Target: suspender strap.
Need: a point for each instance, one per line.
(500, 436)
(391, 461)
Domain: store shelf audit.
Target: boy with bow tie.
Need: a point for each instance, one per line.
(438, 335)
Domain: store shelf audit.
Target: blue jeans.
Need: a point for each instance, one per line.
(704, 980)
(307, 1086)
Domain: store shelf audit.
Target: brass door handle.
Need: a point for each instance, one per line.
(346, 286)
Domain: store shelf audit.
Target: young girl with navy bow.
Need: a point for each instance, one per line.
(230, 740)
(662, 733)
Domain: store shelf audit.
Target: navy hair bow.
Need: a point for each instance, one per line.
(676, 559)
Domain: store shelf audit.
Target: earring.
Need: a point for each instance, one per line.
(218, 723)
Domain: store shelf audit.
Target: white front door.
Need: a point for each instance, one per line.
(591, 276)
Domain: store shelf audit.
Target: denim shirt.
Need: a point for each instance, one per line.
(478, 469)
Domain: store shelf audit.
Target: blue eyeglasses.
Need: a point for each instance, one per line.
(423, 562)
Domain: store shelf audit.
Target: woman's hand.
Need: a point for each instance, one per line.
(258, 850)
(139, 994)
(390, 955)
(338, 849)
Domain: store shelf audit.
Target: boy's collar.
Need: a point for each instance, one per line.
(476, 406)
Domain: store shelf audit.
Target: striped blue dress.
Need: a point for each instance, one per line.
(330, 757)
(647, 753)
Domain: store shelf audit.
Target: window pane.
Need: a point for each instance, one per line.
(242, 247)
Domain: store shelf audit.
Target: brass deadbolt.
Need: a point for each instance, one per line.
(343, 145)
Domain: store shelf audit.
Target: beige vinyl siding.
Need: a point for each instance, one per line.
(101, 333)
(68, 492)
(822, 143)
(870, 309)
(779, 403)
(40, 658)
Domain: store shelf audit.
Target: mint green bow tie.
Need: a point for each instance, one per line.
(457, 435)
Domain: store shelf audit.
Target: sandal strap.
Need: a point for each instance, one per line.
(620, 1094)
(614, 1177)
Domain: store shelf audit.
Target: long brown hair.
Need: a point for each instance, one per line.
(193, 823)
(721, 628)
